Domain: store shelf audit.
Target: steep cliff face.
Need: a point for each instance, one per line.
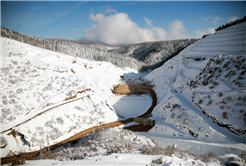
(142, 56)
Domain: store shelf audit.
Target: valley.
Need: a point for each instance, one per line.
(196, 98)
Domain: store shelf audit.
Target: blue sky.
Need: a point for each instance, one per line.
(118, 22)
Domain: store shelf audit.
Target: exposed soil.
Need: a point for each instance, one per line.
(5, 160)
(140, 128)
(130, 88)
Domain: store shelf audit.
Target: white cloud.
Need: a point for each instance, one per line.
(107, 9)
(116, 29)
(201, 32)
(204, 19)
(217, 19)
(177, 30)
(120, 29)
(148, 21)
(230, 19)
(97, 17)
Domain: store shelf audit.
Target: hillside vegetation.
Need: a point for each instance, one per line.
(201, 92)
(153, 54)
(47, 97)
(140, 57)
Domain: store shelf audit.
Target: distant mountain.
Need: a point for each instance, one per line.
(154, 54)
(142, 56)
(102, 46)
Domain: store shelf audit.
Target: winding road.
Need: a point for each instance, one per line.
(81, 134)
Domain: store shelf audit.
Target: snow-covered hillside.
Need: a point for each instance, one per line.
(48, 96)
(142, 56)
(86, 50)
(99, 46)
(116, 146)
(153, 54)
(202, 95)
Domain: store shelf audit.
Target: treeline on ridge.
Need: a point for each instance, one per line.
(141, 57)
(238, 21)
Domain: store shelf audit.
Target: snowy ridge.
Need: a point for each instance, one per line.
(75, 48)
(230, 41)
(142, 56)
(153, 54)
(101, 46)
(201, 91)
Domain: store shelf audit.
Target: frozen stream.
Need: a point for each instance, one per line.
(130, 106)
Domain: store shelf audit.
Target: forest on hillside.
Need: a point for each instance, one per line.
(141, 57)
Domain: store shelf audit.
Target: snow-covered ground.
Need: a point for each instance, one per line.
(202, 96)
(131, 105)
(116, 146)
(125, 159)
(48, 97)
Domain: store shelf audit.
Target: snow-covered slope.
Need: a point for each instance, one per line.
(142, 56)
(202, 93)
(85, 50)
(48, 96)
(153, 54)
(124, 159)
(116, 146)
